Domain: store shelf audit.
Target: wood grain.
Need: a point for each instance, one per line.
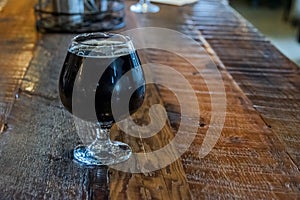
(264, 74)
(256, 156)
(249, 160)
(17, 42)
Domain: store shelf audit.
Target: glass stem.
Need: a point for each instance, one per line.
(103, 134)
(102, 140)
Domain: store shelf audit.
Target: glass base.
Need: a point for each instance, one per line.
(116, 153)
(144, 8)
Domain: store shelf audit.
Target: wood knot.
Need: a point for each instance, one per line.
(235, 139)
(202, 125)
(3, 127)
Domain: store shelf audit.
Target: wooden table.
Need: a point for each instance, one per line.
(256, 156)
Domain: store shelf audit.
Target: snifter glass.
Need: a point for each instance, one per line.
(101, 71)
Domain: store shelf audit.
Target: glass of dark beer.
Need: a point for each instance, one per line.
(102, 82)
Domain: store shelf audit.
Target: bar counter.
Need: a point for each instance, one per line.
(255, 156)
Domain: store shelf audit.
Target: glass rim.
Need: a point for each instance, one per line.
(101, 36)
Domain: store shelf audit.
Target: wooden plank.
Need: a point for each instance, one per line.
(256, 154)
(271, 85)
(17, 42)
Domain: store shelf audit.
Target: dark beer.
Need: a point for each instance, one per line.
(98, 75)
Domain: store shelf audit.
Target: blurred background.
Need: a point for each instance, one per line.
(268, 16)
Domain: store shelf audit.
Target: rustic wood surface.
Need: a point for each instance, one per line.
(17, 41)
(256, 157)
